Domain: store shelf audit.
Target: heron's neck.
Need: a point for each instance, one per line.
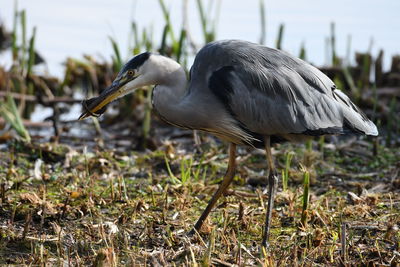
(169, 93)
(173, 87)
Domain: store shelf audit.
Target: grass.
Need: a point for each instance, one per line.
(208, 23)
(100, 207)
(9, 111)
(285, 171)
(60, 205)
(306, 197)
(280, 36)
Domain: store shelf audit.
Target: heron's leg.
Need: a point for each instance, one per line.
(272, 183)
(230, 173)
(196, 138)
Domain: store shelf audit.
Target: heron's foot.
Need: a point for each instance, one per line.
(273, 180)
(265, 245)
(273, 173)
(199, 148)
(191, 233)
(272, 184)
(266, 254)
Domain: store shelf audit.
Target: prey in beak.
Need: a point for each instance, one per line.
(97, 105)
(127, 81)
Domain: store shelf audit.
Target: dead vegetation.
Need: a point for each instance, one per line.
(112, 208)
(121, 192)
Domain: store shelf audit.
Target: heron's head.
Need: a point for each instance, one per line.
(138, 72)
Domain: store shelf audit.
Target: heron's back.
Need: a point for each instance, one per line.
(269, 92)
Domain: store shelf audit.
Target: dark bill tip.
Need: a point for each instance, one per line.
(97, 105)
(88, 105)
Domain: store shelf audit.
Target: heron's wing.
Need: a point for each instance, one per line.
(271, 92)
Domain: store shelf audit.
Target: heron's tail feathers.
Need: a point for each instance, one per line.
(354, 119)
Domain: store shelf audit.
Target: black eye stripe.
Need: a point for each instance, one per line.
(136, 62)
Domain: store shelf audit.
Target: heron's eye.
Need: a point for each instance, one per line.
(130, 73)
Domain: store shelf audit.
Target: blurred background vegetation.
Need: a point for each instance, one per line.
(365, 79)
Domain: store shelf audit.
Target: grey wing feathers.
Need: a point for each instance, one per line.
(354, 117)
(270, 92)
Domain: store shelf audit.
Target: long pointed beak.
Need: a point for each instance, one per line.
(97, 105)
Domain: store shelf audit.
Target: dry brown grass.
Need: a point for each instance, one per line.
(112, 209)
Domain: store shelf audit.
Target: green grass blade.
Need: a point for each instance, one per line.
(391, 121)
(167, 19)
(199, 168)
(14, 46)
(144, 37)
(136, 42)
(309, 144)
(321, 144)
(31, 58)
(117, 61)
(285, 180)
(23, 44)
(333, 45)
(285, 176)
(306, 197)
(375, 101)
(180, 45)
(302, 54)
(203, 18)
(164, 40)
(280, 36)
(148, 43)
(170, 173)
(147, 118)
(10, 113)
(350, 81)
(208, 25)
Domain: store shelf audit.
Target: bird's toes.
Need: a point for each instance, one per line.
(191, 233)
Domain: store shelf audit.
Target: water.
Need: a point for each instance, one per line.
(75, 27)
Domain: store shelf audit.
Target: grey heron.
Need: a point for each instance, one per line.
(243, 93)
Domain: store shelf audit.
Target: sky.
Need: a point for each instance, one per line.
(73, 28)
